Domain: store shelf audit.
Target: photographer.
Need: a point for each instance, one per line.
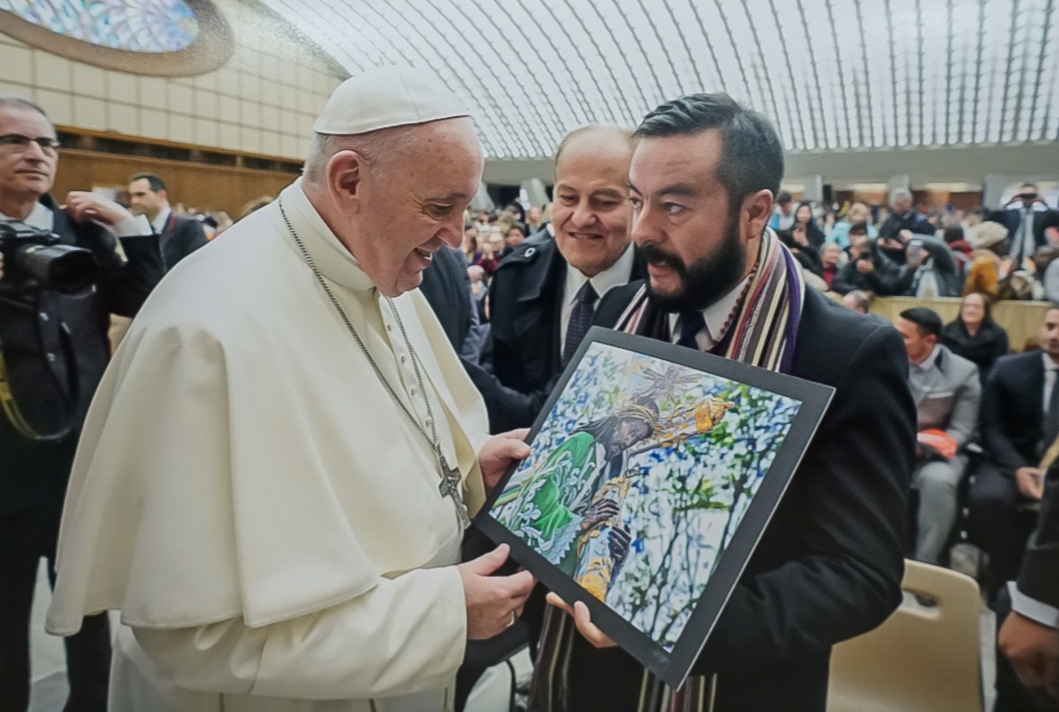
(1026, 222)
(866, 270)
(60, 278)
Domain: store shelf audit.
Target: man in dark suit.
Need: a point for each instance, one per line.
(544, 294)
(1025, 224)
(55, 347)
(830, 563)
(178, 235)
(1029, 637)
(904, 216)
(1018, 422)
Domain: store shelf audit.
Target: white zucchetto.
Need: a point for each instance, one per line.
(386, 97)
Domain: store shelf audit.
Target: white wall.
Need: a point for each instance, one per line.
(262, 101)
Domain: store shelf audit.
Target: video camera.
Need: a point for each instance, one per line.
(34, 259)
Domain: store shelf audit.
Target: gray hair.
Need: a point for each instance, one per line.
(900, 193)
(18, 102)
(380, 149)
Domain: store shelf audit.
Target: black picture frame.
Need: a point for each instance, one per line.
(674, 665)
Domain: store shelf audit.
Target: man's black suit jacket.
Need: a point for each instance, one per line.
(1011, 417)
(525, 306)
(830, 564)
(39, 352)
(1037, 578)
(912, 221)
(180, 237)
(1012, 218)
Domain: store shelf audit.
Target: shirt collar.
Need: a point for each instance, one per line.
(614, 276)
(158, 224)
(1049, 364)
(930, 362)
(717, 313)
(41, 217)
(332, 258)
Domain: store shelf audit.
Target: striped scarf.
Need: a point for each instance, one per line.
(766, 322)
(763, 333)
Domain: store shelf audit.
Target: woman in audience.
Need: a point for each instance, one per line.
(803, 216)
(974, 335)
(857, 213)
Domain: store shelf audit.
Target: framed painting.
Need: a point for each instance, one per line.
(653, 471)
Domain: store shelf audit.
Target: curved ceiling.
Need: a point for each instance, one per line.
(831, 74)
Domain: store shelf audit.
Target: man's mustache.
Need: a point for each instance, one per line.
(660, 258)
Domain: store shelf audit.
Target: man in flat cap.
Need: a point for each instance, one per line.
(275, 477)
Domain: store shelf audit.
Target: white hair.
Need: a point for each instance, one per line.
(380, 149)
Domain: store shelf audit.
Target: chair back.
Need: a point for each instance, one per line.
(922, 658)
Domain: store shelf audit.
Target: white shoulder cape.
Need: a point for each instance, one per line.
(241, 460)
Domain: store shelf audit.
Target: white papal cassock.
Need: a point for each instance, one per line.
(255, 503)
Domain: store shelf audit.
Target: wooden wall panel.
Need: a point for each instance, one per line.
(196, 185)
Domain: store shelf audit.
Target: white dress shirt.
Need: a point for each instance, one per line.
(715, 315)
(614, 276)
(1050, 368)
(158, 224)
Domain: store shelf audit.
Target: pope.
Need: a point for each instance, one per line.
(275, 475)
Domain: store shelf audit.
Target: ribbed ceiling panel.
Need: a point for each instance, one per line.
(831, 74)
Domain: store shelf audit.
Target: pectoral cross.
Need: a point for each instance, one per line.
(450, 487)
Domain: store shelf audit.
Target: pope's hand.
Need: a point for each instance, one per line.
(499, 452)
(493, 602)
(1033, 650)
(583, 621)
(1, 266)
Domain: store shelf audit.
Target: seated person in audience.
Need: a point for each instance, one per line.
(1048, 271)
(803, 216)
(974, 335)
(955, 238)
(858, 301)
(947, 392)
(514, 237)
(990, 264)
(797, 241)
(904, 217)
(842, 231)
(867, 270)
(1028, 638)
(544, 295)
(1019, 421)
(830, 257)
(783, 213)
(929, 271)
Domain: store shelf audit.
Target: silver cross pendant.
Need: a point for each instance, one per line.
(450, 487)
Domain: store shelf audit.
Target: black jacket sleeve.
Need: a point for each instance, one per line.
(124, 284)
(992, 429)
(1038, 578)
(838, 536)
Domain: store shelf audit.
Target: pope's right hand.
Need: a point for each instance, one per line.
(493, 602)
(1, 265)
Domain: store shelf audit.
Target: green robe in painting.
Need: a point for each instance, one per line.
(538, 509)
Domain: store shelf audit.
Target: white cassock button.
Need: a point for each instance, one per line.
(389, 327)
(413, 392)
(403, 359)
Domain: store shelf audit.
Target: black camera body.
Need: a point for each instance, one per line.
(34, 259)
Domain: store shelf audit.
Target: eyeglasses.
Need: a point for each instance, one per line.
(20, 144)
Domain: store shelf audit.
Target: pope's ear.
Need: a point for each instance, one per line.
(345, 171)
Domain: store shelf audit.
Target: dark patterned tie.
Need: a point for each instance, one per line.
(580, 320)
(691, 323)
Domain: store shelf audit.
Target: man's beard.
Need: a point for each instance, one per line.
(705, 281)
